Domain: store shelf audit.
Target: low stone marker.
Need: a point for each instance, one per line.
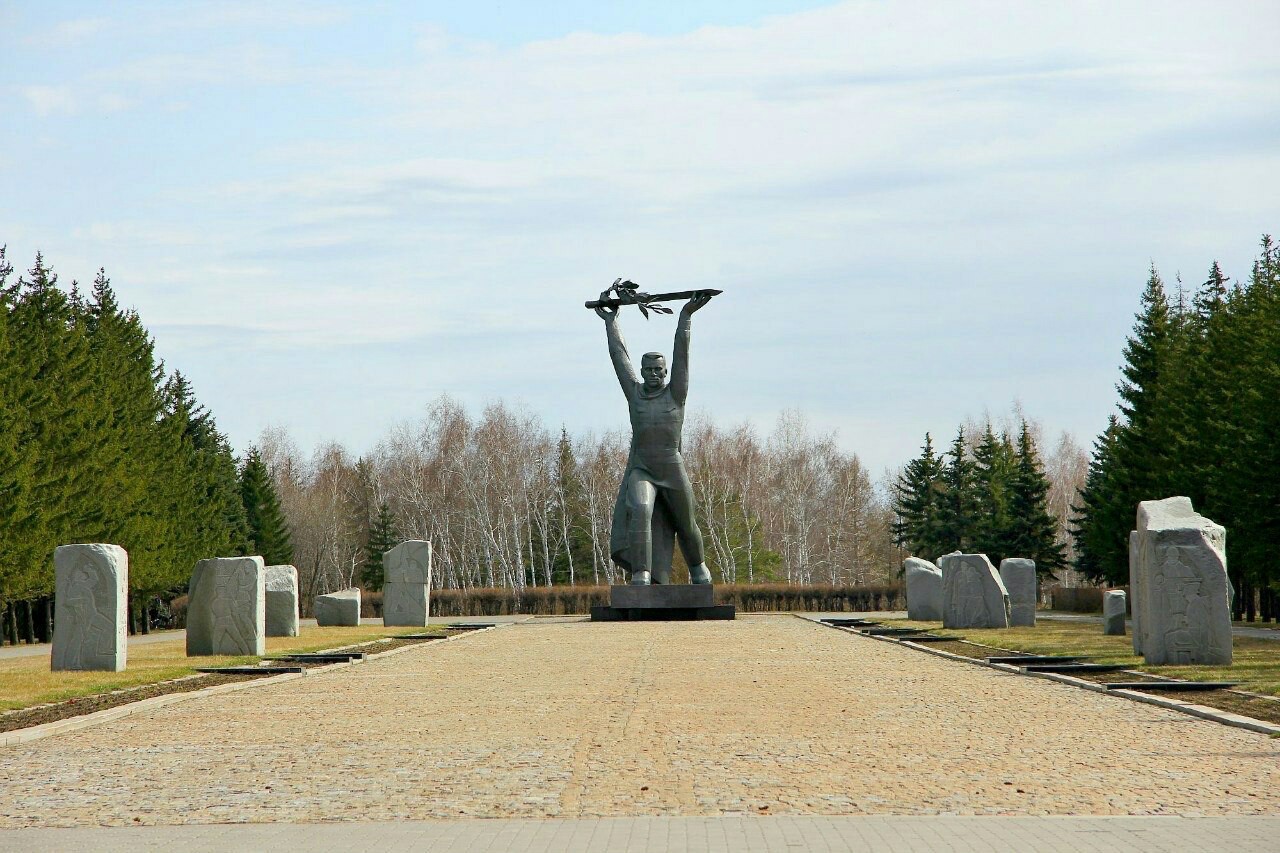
(924, 589)
(227, 607)
(1113, 608)
(1019, 576)
(282, 601)
(338, 609)
(973, 596)
(91, 588)
(406, 585)
(1178, 577)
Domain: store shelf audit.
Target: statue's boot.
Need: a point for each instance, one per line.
(700, 574)
(640, 579)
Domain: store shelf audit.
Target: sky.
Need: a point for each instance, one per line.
(330, 214)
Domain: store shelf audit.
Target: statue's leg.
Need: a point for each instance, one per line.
(679, 503)
(640, 498)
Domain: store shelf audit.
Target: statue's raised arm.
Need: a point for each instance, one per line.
(680, 350)
(618, 349)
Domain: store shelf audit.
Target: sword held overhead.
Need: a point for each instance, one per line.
(629, 293)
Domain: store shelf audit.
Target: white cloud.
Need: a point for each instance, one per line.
(50, 100)
(67, 34)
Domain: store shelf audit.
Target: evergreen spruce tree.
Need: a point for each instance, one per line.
(267, 527)
(382, 538)
(1032, 531)
(993, 463)
(917, 498)
(1098, 512)
(957, 509)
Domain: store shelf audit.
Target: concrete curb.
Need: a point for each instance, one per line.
(1204, 712)
(106, 715)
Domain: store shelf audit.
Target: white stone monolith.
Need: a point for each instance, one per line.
(227, 607)
(1113, 609)
(1135, 592)
(338, 609)
(406, 585)
(973, 596)
(923, 582)
(1019, 576)
(282, 601)
(1178, 577)
(90, 609)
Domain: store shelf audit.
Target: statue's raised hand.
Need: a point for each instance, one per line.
(608, 314)
(695, 303)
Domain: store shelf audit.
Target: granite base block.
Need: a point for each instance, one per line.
(662, 596)
(602, 613)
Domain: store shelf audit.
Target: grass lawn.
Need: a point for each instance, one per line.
(1256, 662)
(27, 681)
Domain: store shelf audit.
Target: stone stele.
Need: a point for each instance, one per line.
(1019, 576)
(341, 608)
(924, 589)
(1113, 608)
(282, 601)
(406, 585)
(1178, 576)
(973, 596)
(227, 607)
(91, 585)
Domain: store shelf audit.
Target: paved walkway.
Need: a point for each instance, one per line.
(689, 835)
(762, 716)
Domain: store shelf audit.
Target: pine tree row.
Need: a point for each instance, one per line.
(1199, 416)
(987, 497)
(99, 444)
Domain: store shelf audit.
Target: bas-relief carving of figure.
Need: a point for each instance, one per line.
(90, 598)
(971, 606)
(233, 623)
(655, 502)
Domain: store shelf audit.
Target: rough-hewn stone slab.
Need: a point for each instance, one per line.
(973, 596)
(1178, 576)
(1019, 577)
(341, 608)
(406, 589)
(924, 589)
(91, 584)
(282, 601)
(1113, 610)
(227, 607)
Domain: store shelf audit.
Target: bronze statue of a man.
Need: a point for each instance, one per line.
(655, 502)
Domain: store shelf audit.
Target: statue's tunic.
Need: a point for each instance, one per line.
(656, 422)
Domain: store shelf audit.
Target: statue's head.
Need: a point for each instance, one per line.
(653, 370)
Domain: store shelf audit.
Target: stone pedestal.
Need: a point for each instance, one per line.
(1113, 608)
(91, 592)
(924, 589)
(1019, 577)
(1178, 577)
(406, 586)
(282, 601)
(659, 602)
(338, 609)
(227, 607)
(973, 596)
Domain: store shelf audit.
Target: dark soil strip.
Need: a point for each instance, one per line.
(41, 714)
(1257, 707)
